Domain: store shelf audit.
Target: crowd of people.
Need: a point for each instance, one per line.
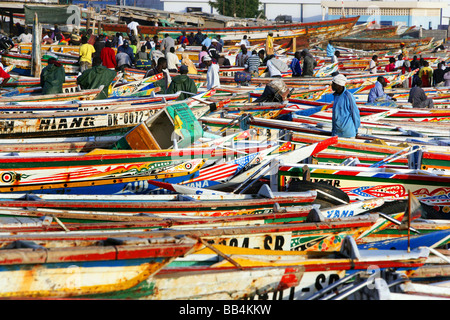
(101, 57)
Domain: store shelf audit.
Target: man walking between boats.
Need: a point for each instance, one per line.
(86, 52)
(97, 76)
(345, 115)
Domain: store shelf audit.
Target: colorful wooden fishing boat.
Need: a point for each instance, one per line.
(433, 158)
(382, 32)
(324, 120)
(22, 63)
(431, 240)
(364, 183)
(31, 271)
(97, 120)
(252, 273)
(84, 105)
(304, 33)
(312, 235)
(188, 172)
(374, 44)
(42, 220)
(25, 82)
(73, 145)
(28, 169)
(168, 205)
(90, 94)
(25, 48)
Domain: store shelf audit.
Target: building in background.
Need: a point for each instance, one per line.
(428, 14)
(425, 14)
(300, 11)
(180, 5)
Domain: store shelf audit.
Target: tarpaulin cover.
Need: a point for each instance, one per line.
(52, 14)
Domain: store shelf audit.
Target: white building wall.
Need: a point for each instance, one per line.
(312, 10)
(181, 5)
(306, 11)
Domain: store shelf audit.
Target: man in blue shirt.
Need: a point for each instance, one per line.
(295, 65)
(345, 116)
(330, 50)
(377, 94)
(207, 41)
(127, 49)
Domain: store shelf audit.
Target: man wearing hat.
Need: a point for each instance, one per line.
(345, 116)
(127, 49)
(218, 43)
(403, 50)
(212, 76)
(182, 83)
(377, 94)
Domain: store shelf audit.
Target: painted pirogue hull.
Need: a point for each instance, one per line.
(190, 173)
(384, 32)
(76, 95)
(24, 83)
(23, 63)
(30, 221)
(249, 272)
(303, 32)
(170, 205)
(76, 144)
(23, 170)
(366, 183)
(256, 272)
(83, 270)
(430, 160)
(380, 44)
(303, 236)
(82, 105)
(354, 81)
(75, 123)
(25, 48)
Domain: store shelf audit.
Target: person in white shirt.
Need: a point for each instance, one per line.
(47, 39)
(25, 37)
(399, 62)
(245, 42)
(133, 25)
(273, 70)
(373, 64)
(212, 76)
(182, 48)
(172, 60)
(119, 40)
(336, 56)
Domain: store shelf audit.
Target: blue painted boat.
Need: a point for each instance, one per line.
(432, 239)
